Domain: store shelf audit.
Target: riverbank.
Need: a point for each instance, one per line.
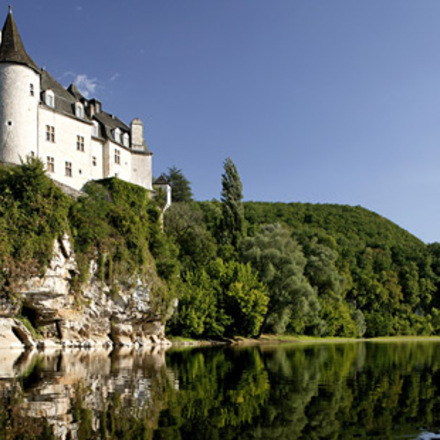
(178, 341)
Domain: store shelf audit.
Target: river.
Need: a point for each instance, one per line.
(289, 391)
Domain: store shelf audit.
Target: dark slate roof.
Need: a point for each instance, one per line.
(161, 181)
(111, 122)
(64, 101)
(12, 49)
(73, 90)
(108, 123)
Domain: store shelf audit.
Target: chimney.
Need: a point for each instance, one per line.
(137, 134)
(95, 107)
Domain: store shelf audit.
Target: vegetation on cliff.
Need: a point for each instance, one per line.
(115, 224)
(33, 212)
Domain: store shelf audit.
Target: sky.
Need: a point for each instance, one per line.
(320, 101)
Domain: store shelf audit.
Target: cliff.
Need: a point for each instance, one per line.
(80, 271)
(96, 317)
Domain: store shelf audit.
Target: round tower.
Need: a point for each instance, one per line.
(19, 97)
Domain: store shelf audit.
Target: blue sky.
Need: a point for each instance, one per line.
(322, 101)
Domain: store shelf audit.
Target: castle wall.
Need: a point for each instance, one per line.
(62, 147)
(97, 172)
(141, 172)
(122, 170)
(18, 112)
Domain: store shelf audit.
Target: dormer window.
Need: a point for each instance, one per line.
(126, 140)
(49, 98)
(117, 135)
(95, 129)
(79, 110)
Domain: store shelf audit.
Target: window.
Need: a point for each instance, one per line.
(117, 156)
(94, 161)
(31, 89)
(69, 169)
(50, 133)
(125, 140)
(95, 129)
(49, 98)
(80, 143)
(79, 110)
(50, 164)
(117, 135)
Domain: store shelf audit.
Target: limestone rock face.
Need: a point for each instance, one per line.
(95, 317)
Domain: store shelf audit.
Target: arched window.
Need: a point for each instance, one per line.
(95, 130)
(117, 135)
(79, 110)
(126, 140)
(49, 98)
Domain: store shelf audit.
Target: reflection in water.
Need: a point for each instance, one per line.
(67, 395)
(331, 391)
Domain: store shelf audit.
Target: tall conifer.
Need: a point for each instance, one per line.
(232, 205)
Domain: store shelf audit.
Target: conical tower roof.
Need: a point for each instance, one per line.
(12, 49)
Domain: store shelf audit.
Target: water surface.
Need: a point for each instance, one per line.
(329, 391)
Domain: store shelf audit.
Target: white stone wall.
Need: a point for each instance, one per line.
(18, 112)
(141, 172)
(97, 172)
(123, 169)
(64, 149)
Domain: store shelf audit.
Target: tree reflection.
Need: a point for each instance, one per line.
(331, 391)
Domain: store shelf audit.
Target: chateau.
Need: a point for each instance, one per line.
(76, 139)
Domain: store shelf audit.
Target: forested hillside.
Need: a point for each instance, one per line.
(327, 270)
(386, 273)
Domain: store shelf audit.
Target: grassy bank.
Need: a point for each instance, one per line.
(279, 339)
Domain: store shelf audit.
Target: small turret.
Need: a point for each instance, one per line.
(19, 95)
(163, 184)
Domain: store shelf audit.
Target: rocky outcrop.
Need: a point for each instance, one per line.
(93, 317)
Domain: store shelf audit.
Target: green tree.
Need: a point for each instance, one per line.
(185, 225)
(280, 262)
(233, 223)
(181, 186)
(242, 296)
(225, 299)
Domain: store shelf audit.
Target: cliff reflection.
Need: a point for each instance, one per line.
(75, 395)
(332, 391)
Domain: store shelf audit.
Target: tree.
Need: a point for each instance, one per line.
(181, 186)
(233, 224)
(184, 223)
(280, 262)
(225, 298)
